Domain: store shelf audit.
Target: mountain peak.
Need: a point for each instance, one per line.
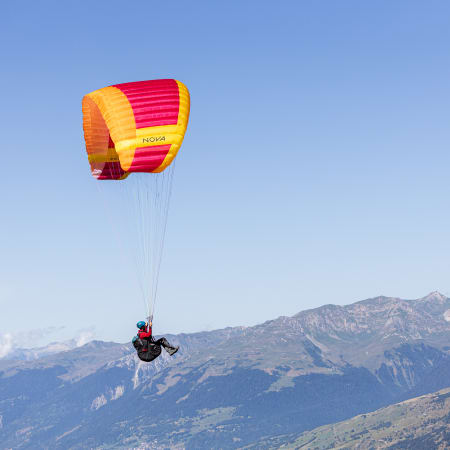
(434, 296)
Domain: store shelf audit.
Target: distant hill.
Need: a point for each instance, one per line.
(30, 354)
(232, 387)
(418, 423)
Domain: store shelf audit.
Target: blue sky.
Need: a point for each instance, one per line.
(314, 170)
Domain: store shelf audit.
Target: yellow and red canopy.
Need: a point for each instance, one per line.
(134, 127)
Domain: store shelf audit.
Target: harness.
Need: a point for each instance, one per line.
(145, 343)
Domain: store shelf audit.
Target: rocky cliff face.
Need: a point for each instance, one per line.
(230, 387)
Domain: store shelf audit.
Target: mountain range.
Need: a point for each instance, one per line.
(233, 387)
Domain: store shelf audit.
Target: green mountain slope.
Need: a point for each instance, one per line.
(418, 423)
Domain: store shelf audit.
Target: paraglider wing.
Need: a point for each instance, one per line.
(134, 127)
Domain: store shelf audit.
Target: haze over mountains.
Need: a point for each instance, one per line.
(233, 387)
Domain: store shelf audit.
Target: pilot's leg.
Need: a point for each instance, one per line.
(167, 347)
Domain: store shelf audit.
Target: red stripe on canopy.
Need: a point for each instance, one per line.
(154, 102)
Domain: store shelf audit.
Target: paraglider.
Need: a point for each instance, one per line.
(133, 132)
(146, 347)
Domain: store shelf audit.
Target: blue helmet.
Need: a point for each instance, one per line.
(140, 324)
(135, 338)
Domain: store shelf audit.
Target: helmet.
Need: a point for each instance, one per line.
(135, 338)
(140, 324)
